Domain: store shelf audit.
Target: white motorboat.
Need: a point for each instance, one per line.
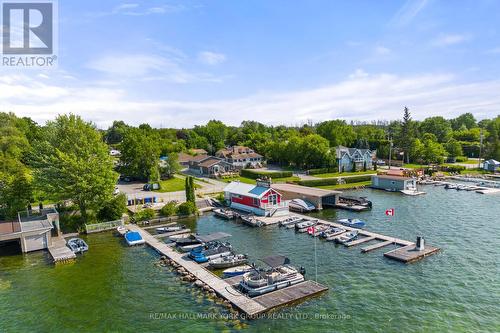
(163, 230)
(122, 230)
(134, 238)
(333, 233)
(227, 214)
(290, 221)
(306, 224)
(230, 260)
(234, 271)
(77, 245)
(278, 276)
(300, 205)
(251, 221)
(347, 237)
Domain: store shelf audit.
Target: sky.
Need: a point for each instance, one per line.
(182, 63)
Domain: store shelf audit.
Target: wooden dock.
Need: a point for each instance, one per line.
(375, 246)
(160, 225)
(59, 251)
(404, 254)
(410, 253)
(226, 288)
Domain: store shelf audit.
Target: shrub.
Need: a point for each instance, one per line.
(144, 214)
(169, 209)
(320, 171)
(461, 159)
(254, 174)
(113, 209)
(452, 168)
(187, 208)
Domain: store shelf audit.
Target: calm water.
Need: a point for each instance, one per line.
(116, 288)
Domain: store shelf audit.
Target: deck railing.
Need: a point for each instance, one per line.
(98, 227)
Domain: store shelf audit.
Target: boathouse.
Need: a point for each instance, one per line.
(259, 199)
(393, 183)
(32, 230)
(317, 196)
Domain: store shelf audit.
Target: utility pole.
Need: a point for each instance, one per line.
(480, 150)
(390, 151)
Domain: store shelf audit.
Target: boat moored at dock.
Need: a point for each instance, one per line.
(133, 238)
(235, 271)
(77, 245)
(228, 261)
(353, 223)
(227, 214)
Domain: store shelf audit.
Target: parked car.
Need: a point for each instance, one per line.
(380, 162)
(151, 186)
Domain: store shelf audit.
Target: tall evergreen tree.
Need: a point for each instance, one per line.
(407, 134)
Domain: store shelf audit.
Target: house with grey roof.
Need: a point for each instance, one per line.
(347, 157)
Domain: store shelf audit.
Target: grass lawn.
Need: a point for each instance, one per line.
(253, 181)
(343, 174)
(345, 186)
(174, 184)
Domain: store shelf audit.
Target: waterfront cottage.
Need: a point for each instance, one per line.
(259, 199)
(347, 157)
(491, 165)
(240, 157)
(209, 166)
(393, 183)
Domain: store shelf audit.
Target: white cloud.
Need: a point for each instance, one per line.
(382, 50)
(146, 67)
(450, 39)
(408, 12)
(135, 9)
(361, 97)
(211, 58)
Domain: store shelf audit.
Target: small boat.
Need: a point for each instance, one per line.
(317, 230)
(235, 271)
(228, 261)
(290, 221)
(224, 213)
(210, 251)
(188, 248)
(174, 238)
(187, 240)
(304, 225)
(251, 221)
(353, 223)
(134, 238)
(279, 275)
(122, 230)
(163, 230)
(333, 233)
(355, 201)
(347, 237)
(77, 245)
(300, 205)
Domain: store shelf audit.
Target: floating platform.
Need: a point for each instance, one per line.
(410, 253)
(59, 251)
(292, 294)
(376, 246)
(168, 234)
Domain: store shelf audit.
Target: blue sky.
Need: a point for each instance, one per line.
(180, 63)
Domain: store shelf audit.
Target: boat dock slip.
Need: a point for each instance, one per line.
(359, 241)
(59, 251)
(160, 225)
(403, 254)
(178, 232)
(375, 246)
(224, 288)
(285, 296)
(410, 253)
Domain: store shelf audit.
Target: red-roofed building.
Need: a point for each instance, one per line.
(259, 199)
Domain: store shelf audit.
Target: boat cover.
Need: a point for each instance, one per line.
(212, 237)
(133, 236)
(276, 260)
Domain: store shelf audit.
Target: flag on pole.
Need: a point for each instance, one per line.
(310, 230)
(389, 212)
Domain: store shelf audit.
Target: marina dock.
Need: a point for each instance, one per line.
(225, 289)
(59, 251)
(168, 234)
(410, 253)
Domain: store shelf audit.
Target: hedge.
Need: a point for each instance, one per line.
(320, 171)
(452, 168)
(334, 181)
(254, 174)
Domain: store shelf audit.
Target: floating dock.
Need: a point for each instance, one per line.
(225, 288)
(59, 251)
(168, 234)
(410, 253)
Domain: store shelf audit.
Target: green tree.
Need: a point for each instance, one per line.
(187, 208)
(466, 120)
(337, 132)
(454, 148)
(73, 163)
(113, 209)
(438, 126)
(407, 134)
(215, 133)
(140, 153)
(169, 209)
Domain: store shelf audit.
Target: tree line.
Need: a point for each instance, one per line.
(68, 157)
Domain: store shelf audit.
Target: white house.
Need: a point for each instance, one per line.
(240, 157)
(491, 165)
(346, 157)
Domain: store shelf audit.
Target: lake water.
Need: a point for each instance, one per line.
(120, 289)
